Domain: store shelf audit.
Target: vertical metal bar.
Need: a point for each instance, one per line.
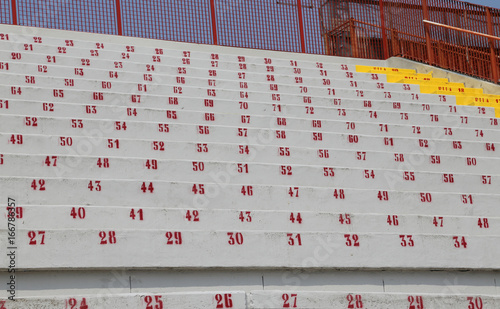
(494, 65)
(14, 12)
(354, 39)
(326, 45)
(301, 27)
(118, 17)
(214, 22)
(430, 53)
(384, 34)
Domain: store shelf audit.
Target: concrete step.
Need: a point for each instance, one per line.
(319, 300)
(223, 192)
(368, 111)
(293, 220)
(184, 120)
(331, 175)
(226, 249)
(294, 95)
(272, 299)
(310, 86)
(168, 72)
(187, 300)
(30, 165)
(105, 142)
(151, 62)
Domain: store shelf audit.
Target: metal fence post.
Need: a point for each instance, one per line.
(494, 63)
(14, 12)
(301, 27)
(119, 17)
(430, 54)
(214, 22)
(384, 34)
(354, 39)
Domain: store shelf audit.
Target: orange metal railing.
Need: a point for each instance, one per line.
(491, 41)
(455, 35)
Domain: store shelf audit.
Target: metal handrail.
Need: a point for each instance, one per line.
(462, 30)
(340, 26)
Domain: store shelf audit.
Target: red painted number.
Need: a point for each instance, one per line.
(224, 301)
(174, 238)
(355, 301)
(107, 237)
(153, 302)
(235, 238)
(351, 240)
(475, 302)
(34, 240)
(289, 300)
(416, 302)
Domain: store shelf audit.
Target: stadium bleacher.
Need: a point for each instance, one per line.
(152, 156)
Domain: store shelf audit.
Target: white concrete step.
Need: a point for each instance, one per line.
(271, 299)
(293, 94)
(224, 192)
(346, 110)
(319, 300)
(47, 43)
(272, 174)
(184, 120)
(296, 220)
(151, 62)
(224, 249)
(97, 143)
(30, 165)
(186, 300)
(167, 72)
(309, 86)
(342, 88)
(37, 64)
